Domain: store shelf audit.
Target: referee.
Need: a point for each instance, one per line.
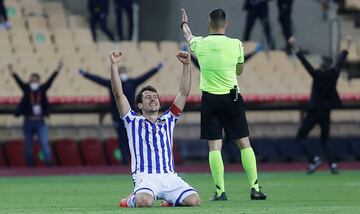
(221, 59)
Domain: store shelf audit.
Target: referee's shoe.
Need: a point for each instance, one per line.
(257, 195)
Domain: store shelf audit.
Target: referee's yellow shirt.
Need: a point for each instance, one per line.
(218, 56)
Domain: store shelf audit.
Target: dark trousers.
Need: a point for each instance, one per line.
(312, 118)
(39, 128)
(285, 9)
(262, 14)
(3, 16)
(100, 18)
(120, 6)
(122, 140)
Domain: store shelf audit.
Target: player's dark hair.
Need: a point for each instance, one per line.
(139, 96)
(217, 18)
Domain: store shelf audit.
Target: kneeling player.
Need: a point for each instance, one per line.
(150, 142)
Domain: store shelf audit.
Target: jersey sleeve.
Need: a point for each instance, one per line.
(241, 56)
(129, 117)
(173, 113)
(193, 43)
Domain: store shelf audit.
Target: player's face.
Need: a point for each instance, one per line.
(150, 102)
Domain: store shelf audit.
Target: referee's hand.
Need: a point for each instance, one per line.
(184, 57)
(184, 17)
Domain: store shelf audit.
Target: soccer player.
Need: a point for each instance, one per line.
(324, 97)
(129, 88)
(221, 58)
(150, 141)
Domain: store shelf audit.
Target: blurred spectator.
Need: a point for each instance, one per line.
(129, 87)
(99, 10)
(120, 6)
(34, 106)
(324, 97)
(285, 10)
(258, 9)
(4, 22)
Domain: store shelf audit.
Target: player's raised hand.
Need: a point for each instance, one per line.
(348, 42)
(184, 17)
(11, 68)
(115, 56)
(184, 57)
(292, 41)
(59, 66)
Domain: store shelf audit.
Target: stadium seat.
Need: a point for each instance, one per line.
(3, 161)
(340, 148)
(288, 149)
(92, 152)
(354, 145)
(15, 153)
(112, 151)
(67, 153)
(53, 8)
(38, 155)
(31, 7)
(77, 21)
(265, 149)
(36, 22)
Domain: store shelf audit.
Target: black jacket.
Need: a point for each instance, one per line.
(256, 5)
(25, 106)
(129, 88)
(323, 91)
(98, 6)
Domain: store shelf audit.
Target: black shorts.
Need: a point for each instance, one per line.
(221, 112)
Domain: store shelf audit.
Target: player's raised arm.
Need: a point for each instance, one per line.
(121, 101)
(185, 81)
(185, 26)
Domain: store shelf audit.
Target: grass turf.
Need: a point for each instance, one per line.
(287, 192)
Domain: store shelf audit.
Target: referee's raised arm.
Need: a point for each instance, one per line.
(185, 26)
(121, 100)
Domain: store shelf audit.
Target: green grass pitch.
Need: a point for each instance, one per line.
(288, 192)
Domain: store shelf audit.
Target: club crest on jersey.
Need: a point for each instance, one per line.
(161, 122)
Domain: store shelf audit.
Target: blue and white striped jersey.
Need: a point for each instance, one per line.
(151, 143)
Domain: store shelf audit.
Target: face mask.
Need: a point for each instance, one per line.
(34, 86)
(124, 77)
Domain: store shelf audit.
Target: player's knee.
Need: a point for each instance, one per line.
(192, 200)
(243, 143)
(144, 201)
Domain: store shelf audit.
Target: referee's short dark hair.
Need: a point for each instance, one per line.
(138, 98)
(217, 18)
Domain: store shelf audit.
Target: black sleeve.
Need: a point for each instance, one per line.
(97, 79)
(340, 60)
(195, 61)
(51, 79)
(306, 63)
(146, 76)
(249, 55)
(20, 83)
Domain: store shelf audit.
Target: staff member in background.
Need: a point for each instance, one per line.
(120, 6)
(34, 106)
(4, 22)
(285, 10)
(258, 9)
(221, 59)
(99, 10)
(324, 97)
(129, 87)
